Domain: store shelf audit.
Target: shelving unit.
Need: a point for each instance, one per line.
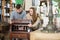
(6, 9)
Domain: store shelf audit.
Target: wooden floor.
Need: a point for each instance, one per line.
(37, 35)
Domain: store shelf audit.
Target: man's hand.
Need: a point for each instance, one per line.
(10, 22)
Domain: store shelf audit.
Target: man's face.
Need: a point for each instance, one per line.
(19, 10)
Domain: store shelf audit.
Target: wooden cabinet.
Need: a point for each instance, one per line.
(20, 30)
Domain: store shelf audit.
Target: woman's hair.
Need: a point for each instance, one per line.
(34, 16)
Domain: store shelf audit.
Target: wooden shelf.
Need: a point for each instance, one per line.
(3, 7)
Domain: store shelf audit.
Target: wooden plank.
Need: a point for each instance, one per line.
(11, 5)
(3, 3)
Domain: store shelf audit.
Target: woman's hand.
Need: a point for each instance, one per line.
(30, 25)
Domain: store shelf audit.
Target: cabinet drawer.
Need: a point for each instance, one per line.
(20, 35)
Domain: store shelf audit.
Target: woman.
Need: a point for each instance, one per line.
(32, 15)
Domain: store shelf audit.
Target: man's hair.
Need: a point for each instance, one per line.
(18, 6)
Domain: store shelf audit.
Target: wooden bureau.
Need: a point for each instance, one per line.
(19, 30)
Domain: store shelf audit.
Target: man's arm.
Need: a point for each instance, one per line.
(11, 17)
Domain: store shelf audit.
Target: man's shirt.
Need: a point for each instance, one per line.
(15, 15)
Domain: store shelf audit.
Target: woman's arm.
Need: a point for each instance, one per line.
(36, 23)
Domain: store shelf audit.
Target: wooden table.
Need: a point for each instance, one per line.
(37, 35)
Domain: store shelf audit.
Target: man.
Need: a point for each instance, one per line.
(19, 13)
